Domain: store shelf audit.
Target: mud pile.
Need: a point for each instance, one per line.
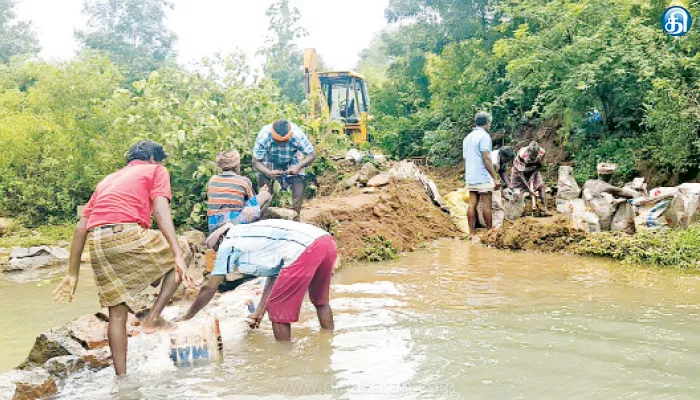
(401, 213)
(541, 234)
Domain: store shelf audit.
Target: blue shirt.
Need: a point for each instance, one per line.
(477, 142)
(281, 155)
(264, 248)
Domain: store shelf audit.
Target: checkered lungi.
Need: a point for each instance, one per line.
(126, 259)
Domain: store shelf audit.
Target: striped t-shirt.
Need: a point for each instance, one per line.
(228, 192)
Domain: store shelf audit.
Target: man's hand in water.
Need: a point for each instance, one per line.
(254, 320)
(65, 289)
(181, 274)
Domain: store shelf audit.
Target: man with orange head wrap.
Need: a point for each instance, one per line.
(275, 158)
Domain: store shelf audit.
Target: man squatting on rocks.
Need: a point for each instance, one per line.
(480, 176)
(275, 159)
(126, 255)
(295, 257)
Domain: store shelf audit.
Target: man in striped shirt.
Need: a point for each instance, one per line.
(295, 257)
(228, 192)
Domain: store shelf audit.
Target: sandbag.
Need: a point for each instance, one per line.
(602, 206)
(457, 202)
(195, 341)
(683, 208)
(650, 215)
(567, 187)
(623, 220)
(498, 209)
(664, 191)
(513, 204)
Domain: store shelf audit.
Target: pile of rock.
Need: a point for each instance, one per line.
(368, 176)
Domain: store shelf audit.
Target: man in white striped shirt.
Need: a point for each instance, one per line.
(295, 257)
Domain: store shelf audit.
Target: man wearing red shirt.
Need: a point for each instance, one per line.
(126, 255)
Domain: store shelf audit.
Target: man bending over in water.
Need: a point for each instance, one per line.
(295, 257)
(126, 255)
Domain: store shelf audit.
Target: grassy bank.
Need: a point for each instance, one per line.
(672, 248)
(46, 234)
(676, 248)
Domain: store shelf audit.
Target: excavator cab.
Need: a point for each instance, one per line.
(343, 95)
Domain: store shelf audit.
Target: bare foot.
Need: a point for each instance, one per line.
(158, 324)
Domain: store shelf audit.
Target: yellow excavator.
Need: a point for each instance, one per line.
(340, 95)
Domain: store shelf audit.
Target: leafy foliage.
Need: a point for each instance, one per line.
(284, 61)
(532, 62)
(132, 32)
(16, 37)
(63, 127)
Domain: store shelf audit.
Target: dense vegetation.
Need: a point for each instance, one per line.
(64, 126)
(533, 62)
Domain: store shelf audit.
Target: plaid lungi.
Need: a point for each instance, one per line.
(126, 259)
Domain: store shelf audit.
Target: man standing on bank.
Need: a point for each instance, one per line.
(275, 158)
(126, 255)
(480, 176)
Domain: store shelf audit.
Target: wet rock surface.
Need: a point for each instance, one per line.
(27, 385)
(64, 366)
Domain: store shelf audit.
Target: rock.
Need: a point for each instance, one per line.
(196, 240)
(380, 158)
(281, 213)
(352, 181)
(367, 172)
(7, 226)
(97, 359)
(89, 330)
(52, 343)
(379, 180)
(64, 366)
(369, 190)
(29, 385)
(22, 259)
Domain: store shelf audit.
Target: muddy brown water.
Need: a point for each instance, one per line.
(454, 321)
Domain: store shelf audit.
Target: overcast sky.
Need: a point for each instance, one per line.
(338, 29)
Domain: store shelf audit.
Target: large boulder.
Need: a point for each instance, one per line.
(367, 172)
(89, 330)
(379, 180)
(64, 366)
(53, 343)
(23, 259)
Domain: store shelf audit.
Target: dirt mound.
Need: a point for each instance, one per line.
(400, 213)
(542, 234)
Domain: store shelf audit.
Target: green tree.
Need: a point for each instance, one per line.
(284, 60)
(132, 32)
(16, 37)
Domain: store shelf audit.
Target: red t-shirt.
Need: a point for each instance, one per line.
(125, 196)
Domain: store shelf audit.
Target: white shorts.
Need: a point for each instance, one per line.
(482, 188)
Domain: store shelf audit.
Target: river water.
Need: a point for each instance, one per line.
(453, 321)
